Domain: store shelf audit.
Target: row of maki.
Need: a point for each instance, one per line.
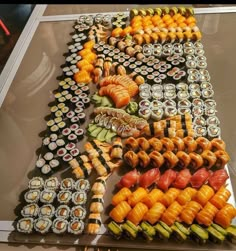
(50, 205)
(54, 206)
(64, 126)
(178, 232)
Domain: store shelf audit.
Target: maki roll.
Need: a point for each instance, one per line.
(74, 127)
(79, 198)
(66, 131)
(51, 183)
(67, 157)
(54, 163)
(72, 137)
(47, 211)
(48, 156)
(213, 131)
(60, 142)
(79, 133)
(25, 225)
(30, 210)
(78, 212)
(81, 117)
(64, 196)
(46, 141)
(115, 230)
(32, 196)
(42, 225)
(70, 146)
(47, 196)
(59, 226)
(67, 184)
(52, 146)
(76, 226)
(70, 114)
(63, 211)
(46, 169)
(82, 184)
(86, 101)
(36, 183)
(61, 152)
(212, 120)
(145, 113)
(74, 152)
(79, 110)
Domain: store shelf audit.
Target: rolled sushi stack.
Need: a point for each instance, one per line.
(53, 206)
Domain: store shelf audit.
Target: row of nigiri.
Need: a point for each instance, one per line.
(170, 177)
(203, 207)
(181, 159)
(175, 144)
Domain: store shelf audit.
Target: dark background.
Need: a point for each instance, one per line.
(15, 17)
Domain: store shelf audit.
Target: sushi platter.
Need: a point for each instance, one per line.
(132, 156)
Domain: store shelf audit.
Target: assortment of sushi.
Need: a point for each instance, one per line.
(54, 206)
(155, 113)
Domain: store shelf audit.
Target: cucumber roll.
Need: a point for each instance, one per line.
(46, 169)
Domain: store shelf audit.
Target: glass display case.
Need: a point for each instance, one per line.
(28, 84)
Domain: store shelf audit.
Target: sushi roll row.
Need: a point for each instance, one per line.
(43, 225)
(177, 232)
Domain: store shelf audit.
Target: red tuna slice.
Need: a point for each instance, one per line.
(166, 179)
(182, 179)
(218, 179)
(149, 177)
(200, 177)
(129, 179)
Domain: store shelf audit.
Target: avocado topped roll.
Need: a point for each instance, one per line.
(115, 230)
(214, 235)
(199, 234)
(148, 230)
(130, 230)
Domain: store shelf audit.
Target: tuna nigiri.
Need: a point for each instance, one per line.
(182, 179)
(199, 177)
(166, 179)
(149, 177)
(218, 179)
(129, 179)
